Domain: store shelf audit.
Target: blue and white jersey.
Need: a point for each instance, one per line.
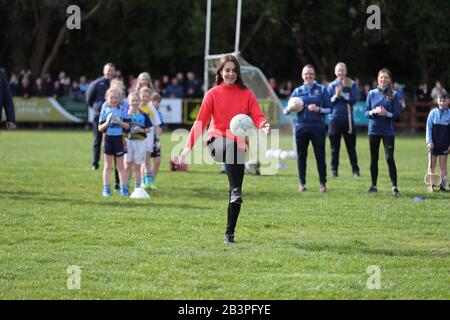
(124, 106)
(438, 128)
(138, 119)
(113, 129)
(382, 125)
(339, 110)
(318, 95)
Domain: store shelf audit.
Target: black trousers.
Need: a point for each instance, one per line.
(317, 136)
(97, 145)
(224, 150)
(337, 129)
(389, 146)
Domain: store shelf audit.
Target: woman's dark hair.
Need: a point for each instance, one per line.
(224, 60)
(390, 91)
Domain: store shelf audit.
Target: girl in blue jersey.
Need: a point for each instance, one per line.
(140, 125)
(382, 107)
(123, 105)
(112, 122)
(438, 136)
(310, 125)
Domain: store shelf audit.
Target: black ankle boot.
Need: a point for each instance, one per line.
(235, 196)
(229, 238)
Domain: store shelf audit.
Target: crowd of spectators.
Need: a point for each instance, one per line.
(24, 84)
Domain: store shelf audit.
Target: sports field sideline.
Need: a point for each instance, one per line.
(289, 245)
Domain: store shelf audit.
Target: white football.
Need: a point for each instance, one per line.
(242, 125)
(296, 104)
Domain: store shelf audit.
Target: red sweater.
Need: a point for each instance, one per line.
(222, 103)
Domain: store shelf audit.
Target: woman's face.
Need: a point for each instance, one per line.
(383, 80)
(228, 73)
(308, 75)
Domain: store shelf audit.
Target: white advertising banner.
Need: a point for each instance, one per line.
(171, 110)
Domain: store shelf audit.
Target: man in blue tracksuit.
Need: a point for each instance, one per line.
(343, 93)
(382, 107)
(438, 136)
(95, 96)
(6, 101)
(310, 125)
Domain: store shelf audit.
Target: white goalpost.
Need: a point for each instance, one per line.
(253, 77)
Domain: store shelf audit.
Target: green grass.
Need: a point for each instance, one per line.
(290, 245)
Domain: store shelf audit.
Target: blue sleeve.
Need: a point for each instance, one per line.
(90, 94)
(369, 107)
(326, 102)
(331, 93)
(295, 93)
(396, 107)
(7, 99)
(161, 118)
(102, 118)
(429, 130)
(125, 105)
(353, 94)
(103, 107)
(126, 117)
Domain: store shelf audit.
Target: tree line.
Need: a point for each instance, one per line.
(279, 36)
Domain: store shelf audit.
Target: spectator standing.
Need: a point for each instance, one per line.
(193, 86)
(84, 85)
(75, 92)
(343, 93)
(94, 98)
(48, 85)
(437, 90)
(6, 102)
(422, 93)
(38, 88)
(174, 89)
(382, 107)
(310, 126)
(14, 85)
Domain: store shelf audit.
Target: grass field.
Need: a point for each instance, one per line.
(290, 245)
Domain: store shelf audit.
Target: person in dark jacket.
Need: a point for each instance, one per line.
(382, 107)
(310, 125)
(95, 96)
(343, 93)
(6, 101)
(438, 136)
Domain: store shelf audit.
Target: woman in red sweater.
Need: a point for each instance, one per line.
(228, 98)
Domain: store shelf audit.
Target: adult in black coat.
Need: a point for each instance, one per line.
(6, 101)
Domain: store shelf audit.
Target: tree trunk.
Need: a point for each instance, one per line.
(44, 23)
(60, 39)
(258, 24)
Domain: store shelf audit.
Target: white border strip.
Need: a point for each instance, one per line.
(62, 111)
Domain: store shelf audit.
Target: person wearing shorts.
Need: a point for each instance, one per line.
(438, 136)
(140, 126)
(112, 122)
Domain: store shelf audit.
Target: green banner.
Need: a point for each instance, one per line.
(42, 110)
